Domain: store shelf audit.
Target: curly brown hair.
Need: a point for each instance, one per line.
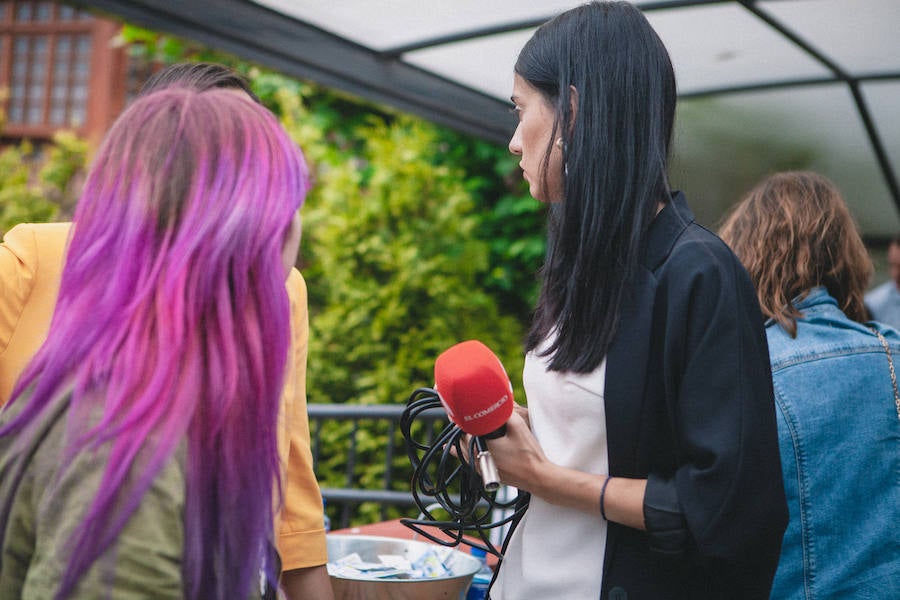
(793, 232)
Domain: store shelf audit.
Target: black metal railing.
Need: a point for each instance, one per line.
(362, 417)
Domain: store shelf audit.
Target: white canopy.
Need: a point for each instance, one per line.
(811, 83)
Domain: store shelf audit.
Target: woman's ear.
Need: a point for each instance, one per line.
(573, 106)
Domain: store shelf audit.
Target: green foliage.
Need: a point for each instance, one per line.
(26, 198)
(65, 158)
(393, 265)
(395, 260)
(20, 200)
(154, 47)
(508, 217)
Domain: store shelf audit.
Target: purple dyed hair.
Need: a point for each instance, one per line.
(172, 327)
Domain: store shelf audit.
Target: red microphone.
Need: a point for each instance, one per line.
(476, 392)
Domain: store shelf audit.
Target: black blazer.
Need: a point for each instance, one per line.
(689, 406)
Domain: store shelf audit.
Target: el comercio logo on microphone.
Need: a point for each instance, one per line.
(486, 411)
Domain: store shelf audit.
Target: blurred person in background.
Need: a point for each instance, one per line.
(884, 301)
(31, 259)
(835, 389)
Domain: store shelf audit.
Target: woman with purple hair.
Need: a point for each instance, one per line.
(138, 452)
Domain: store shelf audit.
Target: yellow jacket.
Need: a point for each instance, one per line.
(31, 262)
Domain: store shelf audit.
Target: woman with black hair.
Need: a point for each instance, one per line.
(649, 445)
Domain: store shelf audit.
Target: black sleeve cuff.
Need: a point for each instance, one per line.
(666, 526)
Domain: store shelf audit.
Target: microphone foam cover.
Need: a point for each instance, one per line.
(474, 388)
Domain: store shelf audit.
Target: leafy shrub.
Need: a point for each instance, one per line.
(395, 264)
(396, 261)
(26, 197)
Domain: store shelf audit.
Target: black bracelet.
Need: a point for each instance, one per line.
(603, 497)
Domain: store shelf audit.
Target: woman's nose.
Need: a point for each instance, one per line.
(515, 143)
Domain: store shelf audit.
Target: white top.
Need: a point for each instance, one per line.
(557, 552)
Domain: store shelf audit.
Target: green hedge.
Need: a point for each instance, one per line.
(26, 198)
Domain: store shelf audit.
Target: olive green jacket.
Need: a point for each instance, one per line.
(42, 503)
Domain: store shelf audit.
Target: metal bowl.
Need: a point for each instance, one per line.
(453, 587)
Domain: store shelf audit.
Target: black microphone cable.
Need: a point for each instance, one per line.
(453, 483)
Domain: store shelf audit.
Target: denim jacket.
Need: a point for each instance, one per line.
(839, 437)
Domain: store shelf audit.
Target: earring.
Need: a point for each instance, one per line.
(562, 144)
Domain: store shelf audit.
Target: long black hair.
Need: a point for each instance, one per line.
(616, 127)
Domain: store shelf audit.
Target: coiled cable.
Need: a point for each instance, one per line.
(444, 474)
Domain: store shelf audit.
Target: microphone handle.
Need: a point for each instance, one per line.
(489, 475)
(499, 432)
